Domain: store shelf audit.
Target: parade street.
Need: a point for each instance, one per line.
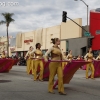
(17, 85)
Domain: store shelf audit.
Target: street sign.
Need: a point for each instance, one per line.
(87, 34)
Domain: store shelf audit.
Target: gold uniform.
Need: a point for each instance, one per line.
(69, 57)
(38, 62)
(55, 68)
(3, 56)
(89, 57)
(29, 55)
(64, 63)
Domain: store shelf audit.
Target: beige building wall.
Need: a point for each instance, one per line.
(28, 36)
(44, 38)
(64, 31)
(22, 47)
(70, 30)
(52, 32)
(25, 45)
(38, 35)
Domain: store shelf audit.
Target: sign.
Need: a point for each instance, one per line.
(27, 40)
(12, 49)
(97, 31)
(87, 34)
(31, 40)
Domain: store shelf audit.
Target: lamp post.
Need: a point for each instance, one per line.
(87, 11)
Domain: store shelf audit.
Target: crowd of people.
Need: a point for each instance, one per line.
(35, 58)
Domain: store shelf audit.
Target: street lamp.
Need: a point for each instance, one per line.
(87, 10)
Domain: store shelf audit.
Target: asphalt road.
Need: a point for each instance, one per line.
(17, 85)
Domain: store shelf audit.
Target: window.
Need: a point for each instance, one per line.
(97, 32)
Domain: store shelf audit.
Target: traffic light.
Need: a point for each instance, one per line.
(64, 16)
(89, 42)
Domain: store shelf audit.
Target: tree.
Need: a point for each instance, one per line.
(7, 20)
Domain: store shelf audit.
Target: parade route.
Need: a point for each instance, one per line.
(17, 85)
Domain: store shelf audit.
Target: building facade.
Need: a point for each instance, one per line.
(43, 35)
(3, 44)
(95, 29)
(70, 30)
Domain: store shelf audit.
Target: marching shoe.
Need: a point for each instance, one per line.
(51, 92)
(36, 80)
(41, 80)
(62, 93)
(92, 78)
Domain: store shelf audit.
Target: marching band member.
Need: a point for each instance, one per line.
(55, 67)
(89, 58)
(79, 57)
(38, 62)
(3, 55)
(29, 55)
(70, 56)
(64, 63)
(98, 57)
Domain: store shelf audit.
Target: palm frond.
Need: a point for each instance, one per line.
(9, 21)
(8, 18)
(2, 22)
(11, 14)
(7, 14)
(12, 20)
(3, 14)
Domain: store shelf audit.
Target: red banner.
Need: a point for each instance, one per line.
(27, 41)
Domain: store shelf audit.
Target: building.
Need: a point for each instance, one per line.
(43, 35)
(79, 46)
(95, 29)
(3, 44)
(23, 42)
(69, 33)
(70, 30)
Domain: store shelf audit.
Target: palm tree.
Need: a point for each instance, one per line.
(7, 20)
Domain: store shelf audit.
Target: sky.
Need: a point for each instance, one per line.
(30, 15)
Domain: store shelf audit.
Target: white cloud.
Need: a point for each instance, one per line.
(33, 14)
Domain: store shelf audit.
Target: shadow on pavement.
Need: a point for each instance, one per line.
(5, 81)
